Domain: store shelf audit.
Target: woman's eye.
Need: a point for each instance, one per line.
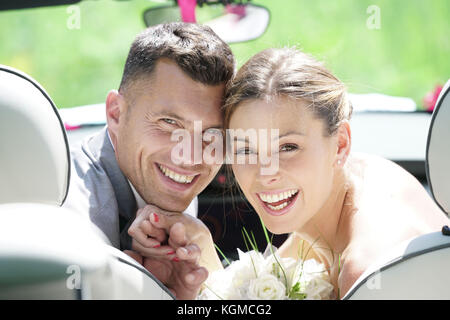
(288, 147)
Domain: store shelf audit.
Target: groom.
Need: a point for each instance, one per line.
(175, 74)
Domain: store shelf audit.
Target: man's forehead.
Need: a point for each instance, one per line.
(172, 93)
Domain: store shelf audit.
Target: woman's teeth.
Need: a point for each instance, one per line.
(271, 199)
(281, 206)
(175, 176)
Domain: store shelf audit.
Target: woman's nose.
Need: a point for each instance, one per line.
(269, 180)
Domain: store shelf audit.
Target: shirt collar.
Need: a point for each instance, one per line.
(139, 201)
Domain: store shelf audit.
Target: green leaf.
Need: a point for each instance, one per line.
(222, 254)
(298, 296)
(249, 239)
(273, 253)
(295, 292)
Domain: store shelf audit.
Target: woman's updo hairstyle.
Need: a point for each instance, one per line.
(291, 73)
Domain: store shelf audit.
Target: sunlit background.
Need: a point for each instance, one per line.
(408, 55)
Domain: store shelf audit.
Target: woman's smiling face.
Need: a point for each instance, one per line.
(287, 199)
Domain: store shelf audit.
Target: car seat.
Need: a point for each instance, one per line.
(419, 269)
(46, 251)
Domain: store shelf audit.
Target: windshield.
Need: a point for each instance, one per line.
(77, 52)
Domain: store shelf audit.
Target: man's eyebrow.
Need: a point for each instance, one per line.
(167, 114)
(170, 114)
(241, 139)
(217, 126)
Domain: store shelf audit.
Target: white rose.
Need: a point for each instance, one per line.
(217, 286)
(318, 289)
(246, 268)
(315, 280)
(285, 272)
(266, 287)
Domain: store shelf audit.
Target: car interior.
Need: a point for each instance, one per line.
(49, 252)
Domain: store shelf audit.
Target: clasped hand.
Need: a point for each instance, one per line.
(167, 244)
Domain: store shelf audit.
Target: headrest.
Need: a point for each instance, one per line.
(438, 151)
(35, 159)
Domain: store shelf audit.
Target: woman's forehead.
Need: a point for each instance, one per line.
(286, 113)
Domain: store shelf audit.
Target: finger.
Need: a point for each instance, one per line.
(160, 221)
(162, 252)
(196, 277)
(177, 235)
(141, 237)
(152, 231)
(164, 221)
(190, 253)
(139, 212)
(174, 226)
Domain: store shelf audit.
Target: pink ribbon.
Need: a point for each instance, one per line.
(187, 8)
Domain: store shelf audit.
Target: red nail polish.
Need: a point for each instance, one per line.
(176, 259)
(155, 217)
(157, 246)
(170, 252)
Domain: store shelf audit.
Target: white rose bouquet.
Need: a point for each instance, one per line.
(258, 276)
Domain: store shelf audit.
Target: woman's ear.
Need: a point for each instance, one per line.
(344, 143)
(115, 106)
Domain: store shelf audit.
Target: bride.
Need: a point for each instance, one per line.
(350, 208)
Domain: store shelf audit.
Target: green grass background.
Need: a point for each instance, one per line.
(407, 56)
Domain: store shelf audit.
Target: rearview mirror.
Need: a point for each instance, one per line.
(232, 23)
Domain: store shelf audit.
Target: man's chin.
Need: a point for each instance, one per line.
(173, 205)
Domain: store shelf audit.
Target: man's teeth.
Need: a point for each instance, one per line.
(175, 176)
(271, 198)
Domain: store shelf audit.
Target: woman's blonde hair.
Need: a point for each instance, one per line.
(292, 73)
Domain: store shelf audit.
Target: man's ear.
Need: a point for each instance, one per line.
(115, 108)
(344, 143)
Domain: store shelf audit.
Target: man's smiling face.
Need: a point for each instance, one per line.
(141, 123)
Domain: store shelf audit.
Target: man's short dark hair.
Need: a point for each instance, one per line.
(195, 48)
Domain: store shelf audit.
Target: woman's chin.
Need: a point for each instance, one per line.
(276, 228)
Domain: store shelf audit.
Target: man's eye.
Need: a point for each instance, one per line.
(169, 121)
(213, 131)
(288, 147)
(212, 134)
(244, 151)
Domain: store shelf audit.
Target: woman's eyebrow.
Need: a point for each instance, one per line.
(297, 133)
